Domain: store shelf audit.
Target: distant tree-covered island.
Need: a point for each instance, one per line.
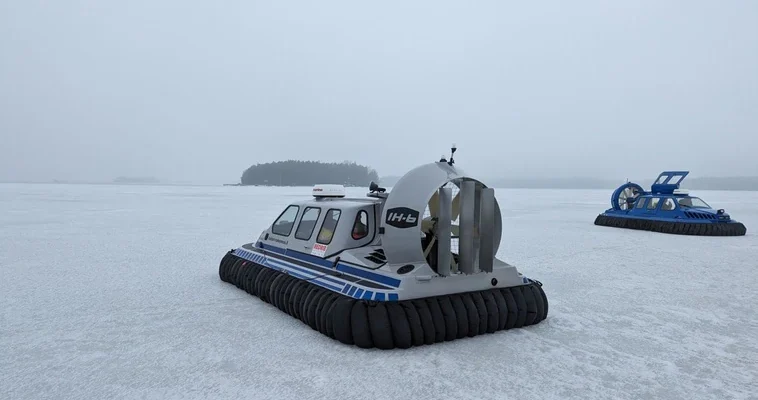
(308, 173)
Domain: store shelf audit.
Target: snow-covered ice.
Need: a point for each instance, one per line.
(113, 292)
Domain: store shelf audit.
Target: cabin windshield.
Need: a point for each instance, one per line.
(692, 202)
(283, 225)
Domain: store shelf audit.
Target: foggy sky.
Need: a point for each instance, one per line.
(198, 91)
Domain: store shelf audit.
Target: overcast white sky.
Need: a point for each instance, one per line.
(199, 90)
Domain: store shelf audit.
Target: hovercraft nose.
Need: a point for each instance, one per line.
(722, 215)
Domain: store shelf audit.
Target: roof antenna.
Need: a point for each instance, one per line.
(452, 151)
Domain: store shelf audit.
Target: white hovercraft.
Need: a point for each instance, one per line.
(375, 272)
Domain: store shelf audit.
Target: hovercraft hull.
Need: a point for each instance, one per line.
(673, 227)
(392, 323)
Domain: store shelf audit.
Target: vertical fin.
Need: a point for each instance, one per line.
(456, 206)
(434, 205)
(466, 239)
(487, 230)
(444, 230)
(477, 224)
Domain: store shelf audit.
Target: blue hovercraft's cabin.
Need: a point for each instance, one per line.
(395, 269)
(668, 209)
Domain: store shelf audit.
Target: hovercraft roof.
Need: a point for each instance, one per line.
(678, 193)
(337, 202)
(335, 195)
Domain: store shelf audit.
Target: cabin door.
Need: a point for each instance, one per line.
(652, 206)
(305, 234)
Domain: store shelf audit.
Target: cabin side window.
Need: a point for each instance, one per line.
(360, 226)
(307, 223)
(668, 205)
(692, 202)
(641, 202)
(653, 203)
(328, 226)
(283, 225)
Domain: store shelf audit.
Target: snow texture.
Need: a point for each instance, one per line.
(113, 292)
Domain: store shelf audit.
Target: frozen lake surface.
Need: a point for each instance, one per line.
(111, 292)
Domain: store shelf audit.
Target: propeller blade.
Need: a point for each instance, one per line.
(428, 225)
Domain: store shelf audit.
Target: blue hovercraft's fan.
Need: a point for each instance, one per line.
(626, 194)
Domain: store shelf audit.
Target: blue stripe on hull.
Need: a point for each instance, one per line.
(281, 263)
(332, 283)
(361, 273)
(368, 275)
(661, 219)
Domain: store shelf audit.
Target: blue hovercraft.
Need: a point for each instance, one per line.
(667, 209)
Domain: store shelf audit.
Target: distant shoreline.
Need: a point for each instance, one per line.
(749, 183)
(106, 183)
(740, 184)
